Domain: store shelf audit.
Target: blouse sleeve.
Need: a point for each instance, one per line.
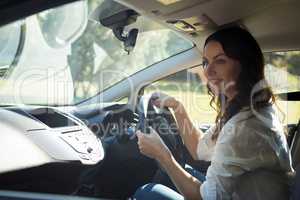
(205, 147)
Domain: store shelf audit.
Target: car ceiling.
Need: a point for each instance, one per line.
(274, 23)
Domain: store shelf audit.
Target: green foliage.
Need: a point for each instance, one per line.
(98, 60)
(293, 66)
(289, 60)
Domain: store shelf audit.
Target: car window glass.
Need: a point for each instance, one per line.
(60, 26)
(9, 42)
(67, 59)
(98, 59)
(282, 71)
(283, 74)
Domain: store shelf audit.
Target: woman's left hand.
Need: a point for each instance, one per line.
(152, 145)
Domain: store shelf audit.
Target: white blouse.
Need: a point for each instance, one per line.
(249, 160)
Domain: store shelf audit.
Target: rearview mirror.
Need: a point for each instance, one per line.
(116, 17)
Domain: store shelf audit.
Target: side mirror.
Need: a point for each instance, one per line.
(116, 17)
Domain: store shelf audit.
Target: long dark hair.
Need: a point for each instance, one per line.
(240, 45)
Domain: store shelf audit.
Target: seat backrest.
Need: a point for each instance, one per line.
(295, 153)
(295, 146)
(262, 184)
(296, 186)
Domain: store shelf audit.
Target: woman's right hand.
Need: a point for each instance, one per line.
(163, 100)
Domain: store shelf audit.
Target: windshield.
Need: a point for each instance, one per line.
(64, 58)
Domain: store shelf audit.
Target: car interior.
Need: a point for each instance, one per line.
(77, 78)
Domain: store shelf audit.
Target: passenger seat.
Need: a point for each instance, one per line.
(295, 145)
(296, 186)
(295, 153)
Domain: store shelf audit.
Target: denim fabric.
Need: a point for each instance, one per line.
(161, 192)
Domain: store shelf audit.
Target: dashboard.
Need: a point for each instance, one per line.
(58, 150)
(42, 135)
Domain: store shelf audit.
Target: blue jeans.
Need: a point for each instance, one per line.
(160, 192)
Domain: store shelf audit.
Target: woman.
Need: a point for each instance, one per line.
(247, 147)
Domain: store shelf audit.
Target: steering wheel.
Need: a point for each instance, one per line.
(164, 123)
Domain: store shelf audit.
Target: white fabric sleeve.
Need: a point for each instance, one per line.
(205, 147)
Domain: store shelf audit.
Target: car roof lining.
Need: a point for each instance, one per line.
(255, 15)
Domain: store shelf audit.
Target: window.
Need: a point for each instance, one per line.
(98, 60)
(283, 74)
(10, 40)
(67, 59)
(59, 26)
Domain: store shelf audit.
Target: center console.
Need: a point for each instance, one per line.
(60, 135)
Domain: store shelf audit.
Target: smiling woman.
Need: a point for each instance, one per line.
(78, 58)
(246, 146)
